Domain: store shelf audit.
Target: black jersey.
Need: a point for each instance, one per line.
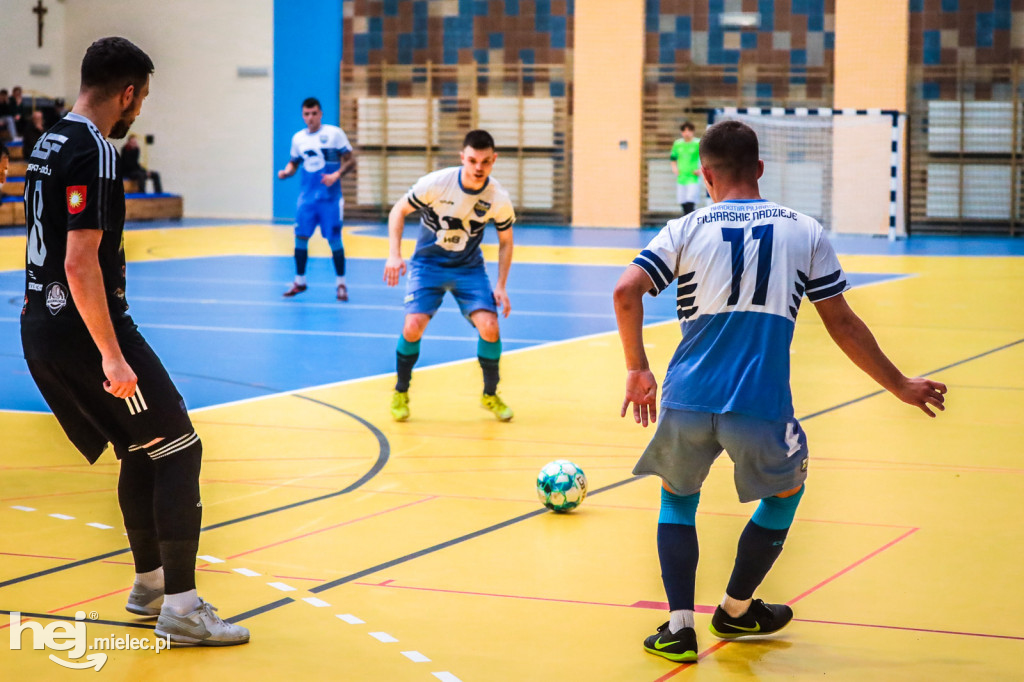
(73, 182)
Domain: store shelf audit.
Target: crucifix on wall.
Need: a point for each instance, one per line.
(39, 10)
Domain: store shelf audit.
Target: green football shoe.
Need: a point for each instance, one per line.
(680, 647)
(400, 406)
(496, 406)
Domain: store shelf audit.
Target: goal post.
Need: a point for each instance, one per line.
(843, 167)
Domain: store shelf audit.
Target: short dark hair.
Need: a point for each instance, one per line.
(3, 151)
(687, 126)
(730, 147)
(311, 103)
(478, 139)
(112, 64)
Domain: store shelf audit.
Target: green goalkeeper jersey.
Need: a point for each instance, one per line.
(687, 160)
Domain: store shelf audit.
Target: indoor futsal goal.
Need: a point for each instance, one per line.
(844, 167)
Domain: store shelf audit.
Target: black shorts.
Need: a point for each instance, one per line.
(72, 385)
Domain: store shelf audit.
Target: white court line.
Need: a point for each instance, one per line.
(210, 559)
(245, 571)
(359, 306)
(416, 657)
(350, 619)
(20, 508)
(446, 677)
(101, 526)
(313, 601)
(63, 517)
(311, 332)
(440, 365)
(382, 637)
(282, 586)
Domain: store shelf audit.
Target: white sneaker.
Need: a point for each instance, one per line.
(202, 627)
(145, 602)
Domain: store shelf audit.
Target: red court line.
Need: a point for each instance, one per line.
(852, 566)
(389, 583)
(701, 656)
(337, 525)
(72, 492)
(909, 629)
(86, 601)
(37, 556)
(817, 587)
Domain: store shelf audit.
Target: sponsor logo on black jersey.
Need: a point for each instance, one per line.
(56, 297)
(481, 208)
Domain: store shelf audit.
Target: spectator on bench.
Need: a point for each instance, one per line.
(33, 131)
(7, 124)
(132, 170)
(5, 162)
(20, 111)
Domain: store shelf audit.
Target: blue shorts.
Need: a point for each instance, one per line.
(769, 457)
(428, 282)
(326, 214)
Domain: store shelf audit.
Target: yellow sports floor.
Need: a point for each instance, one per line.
(904, 562)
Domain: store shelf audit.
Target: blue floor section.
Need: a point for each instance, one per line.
(224, 332)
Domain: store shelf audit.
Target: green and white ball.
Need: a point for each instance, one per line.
(561, 485)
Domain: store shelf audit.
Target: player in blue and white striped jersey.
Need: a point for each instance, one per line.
(741, 268)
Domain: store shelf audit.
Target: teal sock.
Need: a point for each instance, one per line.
(408, 352)
(488, 353)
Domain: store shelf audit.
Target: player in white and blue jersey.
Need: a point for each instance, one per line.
(741, 268)
(455, 205)
(321, 154)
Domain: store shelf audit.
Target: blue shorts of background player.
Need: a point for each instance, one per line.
(428, 283)
(328, 216)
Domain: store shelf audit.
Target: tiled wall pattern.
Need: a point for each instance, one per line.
(945, 32)
(457, 31)
(797, 37)
(976, 34)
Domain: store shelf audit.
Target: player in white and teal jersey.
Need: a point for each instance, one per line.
(321, 154)
(741, 268)
(455, 205)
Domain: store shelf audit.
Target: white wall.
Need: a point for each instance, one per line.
(18, 50)
(213, 129)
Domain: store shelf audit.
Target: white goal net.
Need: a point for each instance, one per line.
(843, 167)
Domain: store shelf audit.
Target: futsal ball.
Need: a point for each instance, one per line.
(561, 485)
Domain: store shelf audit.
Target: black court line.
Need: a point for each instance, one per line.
(383, 455)
(934, 371)
(57, 616)
(504, 524)
(537, 512)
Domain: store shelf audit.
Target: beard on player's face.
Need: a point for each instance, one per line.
(123, 124)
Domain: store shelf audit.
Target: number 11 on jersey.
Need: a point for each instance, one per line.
(763, 235)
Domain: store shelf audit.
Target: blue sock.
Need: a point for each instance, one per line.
(338, 255)
(678, 550)
(301, 256)
(761, 544)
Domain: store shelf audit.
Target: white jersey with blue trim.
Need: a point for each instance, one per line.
(317, 154)
(453, 218)
(741, 270)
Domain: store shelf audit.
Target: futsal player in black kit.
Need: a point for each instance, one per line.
(103, 382)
